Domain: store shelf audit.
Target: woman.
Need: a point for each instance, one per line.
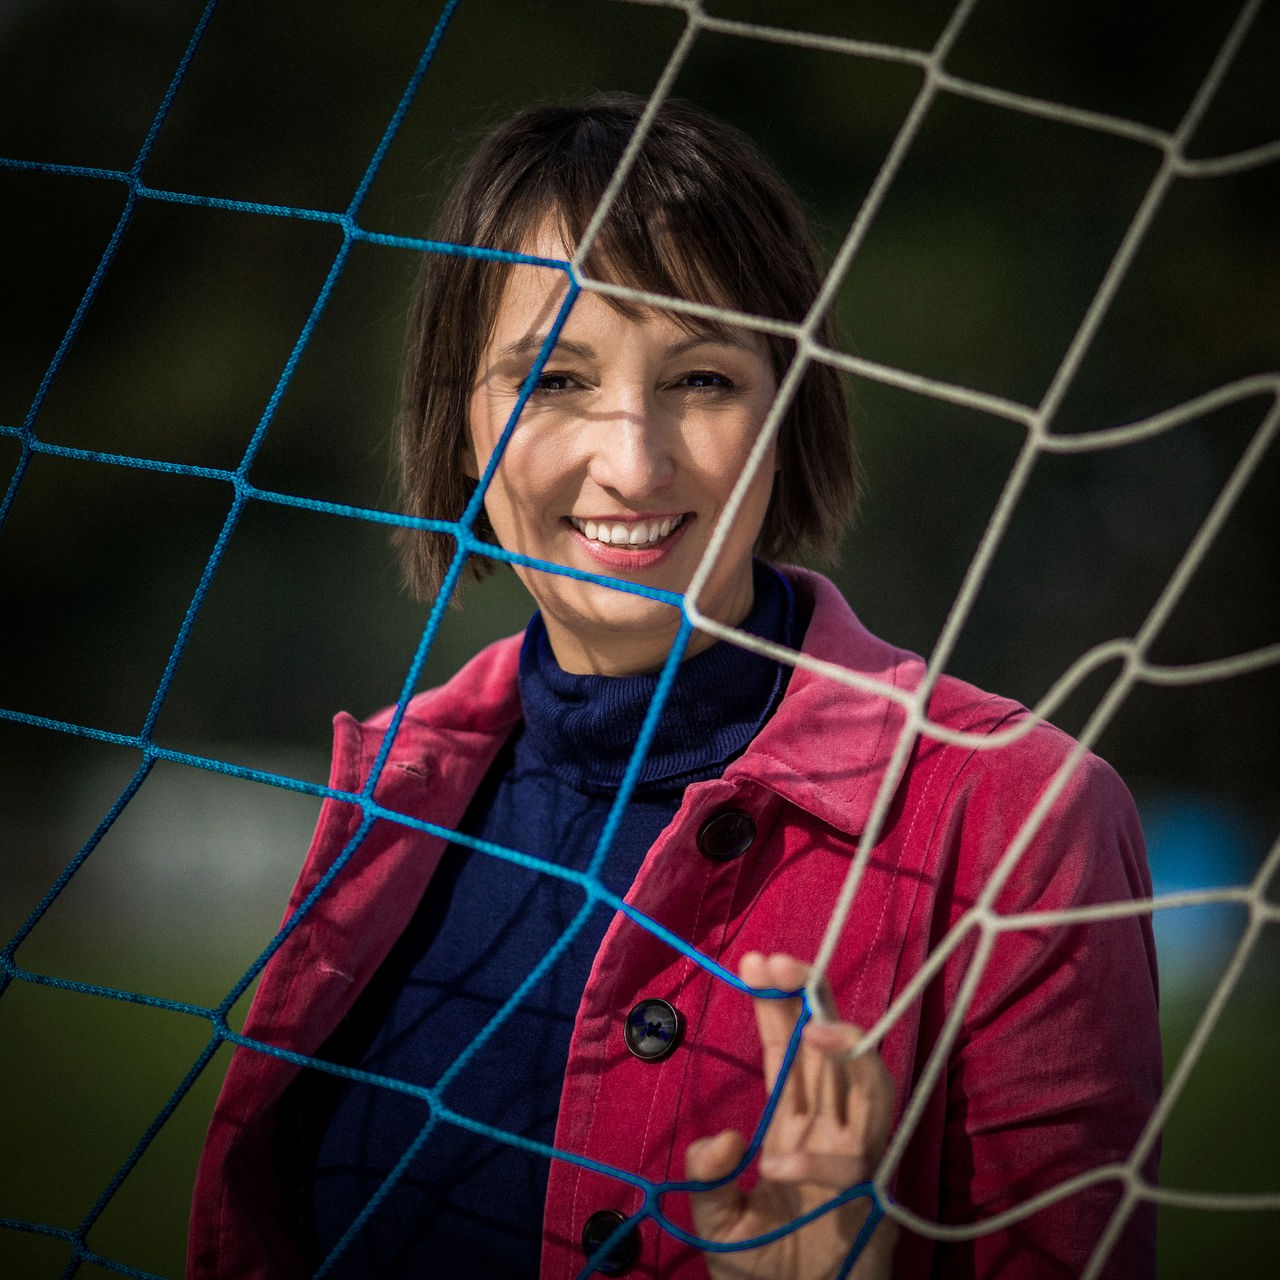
(477, 1012)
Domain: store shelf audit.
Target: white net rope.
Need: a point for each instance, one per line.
(1131, 653)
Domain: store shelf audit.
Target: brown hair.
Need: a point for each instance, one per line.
(701, 215)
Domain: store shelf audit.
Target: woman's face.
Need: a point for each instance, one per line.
(621, 463)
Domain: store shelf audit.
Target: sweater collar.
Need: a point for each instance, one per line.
(450, 735)
(584, 727)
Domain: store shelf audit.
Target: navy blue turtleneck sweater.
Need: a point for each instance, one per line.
(467, 1204)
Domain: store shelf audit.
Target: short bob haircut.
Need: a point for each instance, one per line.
(702, 216)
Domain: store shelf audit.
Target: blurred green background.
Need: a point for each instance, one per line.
(977, 271)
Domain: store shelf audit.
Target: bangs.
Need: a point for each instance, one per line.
(682, 225)
(653, 248)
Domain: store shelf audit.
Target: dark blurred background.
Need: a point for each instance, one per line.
(978, 271)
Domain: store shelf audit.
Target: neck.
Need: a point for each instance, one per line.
(584, 726)
(603, 650)
(632, 654)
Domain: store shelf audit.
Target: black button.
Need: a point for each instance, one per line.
(652, 1029)
(622, 1257)
(726, 836)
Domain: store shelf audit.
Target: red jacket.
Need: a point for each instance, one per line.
(1056, 1065)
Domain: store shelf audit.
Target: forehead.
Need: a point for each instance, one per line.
(529, 299)
(532, 302)
(529, 296)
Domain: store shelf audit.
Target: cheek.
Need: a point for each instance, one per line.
(530, 490)
(723, 459)
(541, 461)
(755, 504)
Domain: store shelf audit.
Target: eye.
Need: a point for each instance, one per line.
(555, 382)
(706, 379)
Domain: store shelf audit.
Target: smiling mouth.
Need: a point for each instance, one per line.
(633, 533)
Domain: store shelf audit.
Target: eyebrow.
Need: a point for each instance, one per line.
(532, 343)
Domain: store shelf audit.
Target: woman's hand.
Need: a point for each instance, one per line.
(827, 1134)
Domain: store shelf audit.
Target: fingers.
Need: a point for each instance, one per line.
(853, 1107)
(826, 1134)
(708, 1160)
(830, 1172)
(808, 1086)
(775, 1018)
(857, 1090)
(830, 1077)
(834, 1101)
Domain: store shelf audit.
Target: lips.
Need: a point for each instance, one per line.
(627, 533)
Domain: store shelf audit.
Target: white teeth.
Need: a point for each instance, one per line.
(642, 533)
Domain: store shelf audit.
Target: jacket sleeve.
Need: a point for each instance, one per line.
(242, 1220)
(1056, 1065)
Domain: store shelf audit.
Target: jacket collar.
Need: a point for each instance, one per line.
(449, 735)
(828, 745)
(825, 749)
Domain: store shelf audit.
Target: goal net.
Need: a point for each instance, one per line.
(1052, 252)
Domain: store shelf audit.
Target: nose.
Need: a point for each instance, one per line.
(632, 455)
